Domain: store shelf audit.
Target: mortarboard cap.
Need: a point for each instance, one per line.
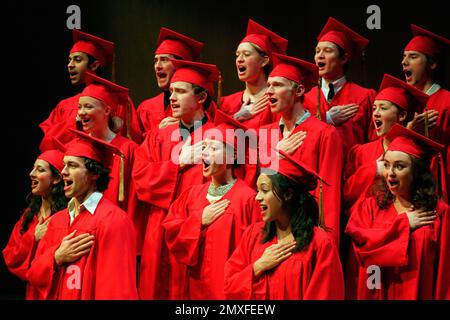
(55, 155)
(106, 91)
(412, 143)
(264, 38)
(200, 74)
(99, 48)
(401, 94)
(293, 169)
(426, 42)
(296, 70)
(177, 44)
(338, 33)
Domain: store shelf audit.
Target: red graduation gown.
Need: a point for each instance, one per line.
(159, 181)
(408, 260)
(310, 274)
(20, 251)
(64, 116)
(205, 250)
(232, 103)
(107, 272)
(440, 101)
(321, 151)
(359, 129)
(151, 111)
(360, 171)
(136, 209)
(443, 275)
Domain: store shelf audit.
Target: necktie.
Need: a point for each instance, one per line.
(331, 92)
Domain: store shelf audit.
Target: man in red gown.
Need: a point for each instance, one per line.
(301, 135)
(89, 249)
(166, 164)
(89, 53)
(343, 104)
(422, 58)
(253, 63)
(156, 112)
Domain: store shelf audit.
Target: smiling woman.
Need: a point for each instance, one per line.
(288, 256)
(404, 224)
(46, 198)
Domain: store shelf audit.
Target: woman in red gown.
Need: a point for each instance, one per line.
(46, 198)
(400, 235)
(287, 256)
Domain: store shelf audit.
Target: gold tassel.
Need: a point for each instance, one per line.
(121, 179)
(319, 89)
(128, 111)
(219, 90)
(426, 122)
(321, 210)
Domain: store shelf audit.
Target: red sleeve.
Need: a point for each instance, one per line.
(154, 178)
(330, 169)
(137, 210)
(115, 277)
(184, 230)
(385, 246)
(363, 125)
(327, 280)
(53, 118)
(240, 282)
(19, 252)
(443, 274)
(359, 183)
(41, 273)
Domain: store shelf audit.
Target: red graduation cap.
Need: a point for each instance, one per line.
(55, 155)
(102, 50)
(200, 74)
(426, 42)
(106, 91)
(177, 44)
(338, 33)
(293, 169)
(98, 150)
(402, 94)
(412, 143)
(296, 70)
(264, 38)
(225, 129)
(93, 148)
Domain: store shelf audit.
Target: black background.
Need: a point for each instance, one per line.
(36, 43)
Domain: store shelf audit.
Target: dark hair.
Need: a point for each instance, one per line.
(303, 209)
(97, 168)
(58, 202)
(423, 193)
(341, 53)
(198, 90)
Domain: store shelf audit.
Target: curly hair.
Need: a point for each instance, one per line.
(302, 206)
(97, 168)
(423, 192)
(58, 202)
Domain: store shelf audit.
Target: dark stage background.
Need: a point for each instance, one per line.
(36, 43)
